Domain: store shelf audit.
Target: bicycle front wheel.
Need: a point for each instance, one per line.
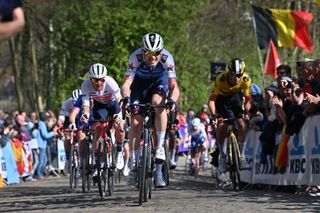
(235, 163)
(143, 168)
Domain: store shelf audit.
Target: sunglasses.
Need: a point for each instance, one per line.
(150, 53)
(96, 80)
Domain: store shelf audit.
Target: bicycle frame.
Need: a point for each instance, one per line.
(233, 154)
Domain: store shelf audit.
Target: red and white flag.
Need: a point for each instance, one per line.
(272, 61)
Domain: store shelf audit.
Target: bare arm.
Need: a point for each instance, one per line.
(125, 88)
(8, 29)
(175, 90)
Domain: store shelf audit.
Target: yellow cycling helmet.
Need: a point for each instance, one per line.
(236, 67)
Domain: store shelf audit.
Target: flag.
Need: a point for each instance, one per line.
(272, 61)
(287, 28)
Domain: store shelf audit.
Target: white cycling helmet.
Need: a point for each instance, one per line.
(98, 71)
(76, 94)
(152, 42)
(196, 122)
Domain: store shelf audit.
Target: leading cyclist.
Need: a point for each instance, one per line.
(150, 75)
(231, 88)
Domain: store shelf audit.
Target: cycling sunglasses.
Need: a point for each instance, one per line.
(150, 53)
(96, 80)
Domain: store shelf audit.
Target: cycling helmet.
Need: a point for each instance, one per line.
(152, 42)
(98, 71)
(76, 94)
(196, 122)
(255, 89)
(236, 66)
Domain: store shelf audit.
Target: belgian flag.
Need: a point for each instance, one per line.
(287, 28)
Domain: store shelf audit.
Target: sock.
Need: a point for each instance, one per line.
(241, 146)
(161, 137)
(159, 169)
(173, 157)
(126, 163)
(119, 147)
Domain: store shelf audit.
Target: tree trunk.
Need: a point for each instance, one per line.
(15, 67)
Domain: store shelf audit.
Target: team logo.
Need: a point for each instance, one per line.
(170, 68)
(164, 58)
(131, 67)
(152, 38)
(245, 79)
(139, 57)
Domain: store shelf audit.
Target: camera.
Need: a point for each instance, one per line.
(289, 85)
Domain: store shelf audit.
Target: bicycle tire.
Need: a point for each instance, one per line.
(85, 167)
(165, 165)
(236, 164)
(150, 168)
(71, 168)
(100, 174)
(111, 167)
(143, 168)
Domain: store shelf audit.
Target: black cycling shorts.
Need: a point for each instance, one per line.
(232, 102)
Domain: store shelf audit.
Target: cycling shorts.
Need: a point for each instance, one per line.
(229, 102)
(195, 142)
(143, 89)
(103, 111)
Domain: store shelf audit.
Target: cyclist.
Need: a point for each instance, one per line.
(105, 93)
(198, 138)
(75, 122)
(231, 87)
(63, 121)
(149, 76)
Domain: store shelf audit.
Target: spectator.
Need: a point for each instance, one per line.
(284, 70)
(42, 138)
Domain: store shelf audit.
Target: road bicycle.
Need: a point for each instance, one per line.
(87, 161)
(105, 162)
(232, 152)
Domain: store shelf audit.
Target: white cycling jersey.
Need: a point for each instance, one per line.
(110, 92)
(199, 132)
(137, 66)
(66, 107)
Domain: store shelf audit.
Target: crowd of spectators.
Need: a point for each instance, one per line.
(29, 137)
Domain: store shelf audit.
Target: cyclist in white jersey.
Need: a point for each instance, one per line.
(105, 93)
(198, 138)
(149, 78)
(63, 121)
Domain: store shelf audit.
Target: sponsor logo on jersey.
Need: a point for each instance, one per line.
(171, 67)
(245, 79)
(164, 58)
(139, 57)
(131, 67)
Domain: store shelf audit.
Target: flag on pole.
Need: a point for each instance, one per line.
(287, 28)
(272, 61)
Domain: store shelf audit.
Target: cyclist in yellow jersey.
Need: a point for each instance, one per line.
(230, 92)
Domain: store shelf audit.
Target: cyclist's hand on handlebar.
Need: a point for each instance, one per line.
(213, 120)
(117, 118)
(72, 126)
(126, 100)
(85, 118)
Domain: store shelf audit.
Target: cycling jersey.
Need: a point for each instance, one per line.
(66, 109)
(138, 67)
(110, 92)
(198, 132)
(223, 87)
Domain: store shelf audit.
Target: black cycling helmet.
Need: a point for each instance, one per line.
(236, 67)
